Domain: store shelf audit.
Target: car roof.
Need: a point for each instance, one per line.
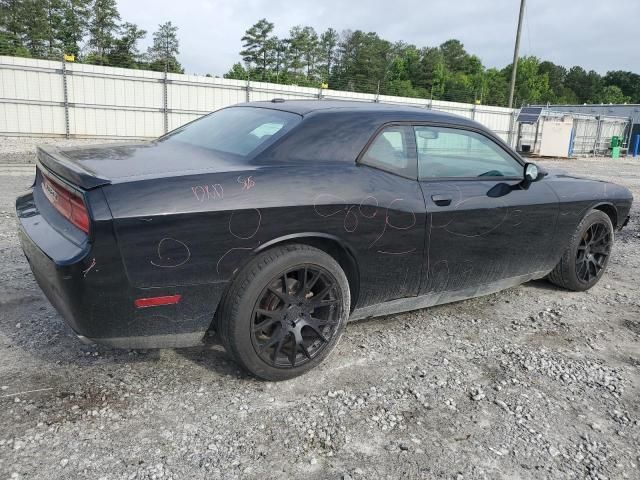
(403, 112)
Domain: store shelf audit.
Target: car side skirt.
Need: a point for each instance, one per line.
(415, 303)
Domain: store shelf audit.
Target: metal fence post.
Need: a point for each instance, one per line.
(377, 99)
(248, 89)
(320, 94)
(598, 133)
(473, 111)
(65, 90)
(165, 95)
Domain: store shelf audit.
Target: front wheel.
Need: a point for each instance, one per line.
(285, 312)
(587, 256)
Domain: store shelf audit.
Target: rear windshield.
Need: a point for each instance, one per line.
(240, 131)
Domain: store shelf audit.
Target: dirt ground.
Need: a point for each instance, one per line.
(533, 382)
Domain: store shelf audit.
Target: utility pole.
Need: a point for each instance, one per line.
(515, 55)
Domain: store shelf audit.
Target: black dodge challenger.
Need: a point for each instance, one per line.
(276, 222)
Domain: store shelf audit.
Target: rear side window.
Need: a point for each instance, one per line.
(238, 131)
(393, 150)
(454, 153)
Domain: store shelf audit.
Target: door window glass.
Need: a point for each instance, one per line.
(454, 153)
(393, 150)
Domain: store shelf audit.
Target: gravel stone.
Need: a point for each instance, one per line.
(532, 382)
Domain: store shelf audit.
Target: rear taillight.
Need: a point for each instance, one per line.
(68, 203)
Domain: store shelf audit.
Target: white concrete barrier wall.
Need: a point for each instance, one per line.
(126, 103)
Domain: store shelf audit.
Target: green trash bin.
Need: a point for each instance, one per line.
(615, 152)
(615, 145)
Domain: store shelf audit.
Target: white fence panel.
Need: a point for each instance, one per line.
(342, 95)
(267, 91)
(201, 94)
(117, 102)
(27, 119)
(31, 97)
(114, 102)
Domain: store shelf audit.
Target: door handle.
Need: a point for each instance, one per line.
(441, 200)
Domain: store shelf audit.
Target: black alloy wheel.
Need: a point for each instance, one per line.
(586, 256)
(593, 252)
(285, 311)
(296, 316)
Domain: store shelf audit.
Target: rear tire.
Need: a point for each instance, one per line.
(284, 312)
(586, 258)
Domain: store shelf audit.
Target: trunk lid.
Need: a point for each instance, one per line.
(95, 166)
(54, 160)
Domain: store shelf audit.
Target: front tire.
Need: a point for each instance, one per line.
(285, 311)
(587, 256)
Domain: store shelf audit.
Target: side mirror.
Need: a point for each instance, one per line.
(531, 174)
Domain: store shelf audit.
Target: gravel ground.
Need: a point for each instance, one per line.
(533, 382)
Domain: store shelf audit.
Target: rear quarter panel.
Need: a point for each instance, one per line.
(201, 229)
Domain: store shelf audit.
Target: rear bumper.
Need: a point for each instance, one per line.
(87, 285)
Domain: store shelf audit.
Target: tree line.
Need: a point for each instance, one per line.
(90, 30)
(94, 32)
(364, 62)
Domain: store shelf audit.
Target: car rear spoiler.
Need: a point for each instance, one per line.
(72, 171)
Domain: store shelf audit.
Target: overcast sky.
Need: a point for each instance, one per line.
(596, 34)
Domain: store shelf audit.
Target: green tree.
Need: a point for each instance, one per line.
(35, 27)
(55, 19)
(587, 86)
(532, 86)
(310, 50)
(164, 51)
(256, 50)
(497, 88)
(403, 71)
(556, 74)
(327, 52)
(237, 72)
(430, 73)
(613, 94)
(103, 28)
(12, 28)
(627, 82)
(454, 54)
(277, 49)
(75, 24)
(124, 52)
(294, 53)
(365, 59)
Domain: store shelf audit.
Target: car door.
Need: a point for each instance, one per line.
(483, 226)
(391, 217)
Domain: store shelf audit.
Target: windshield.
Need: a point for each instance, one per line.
(238, 131)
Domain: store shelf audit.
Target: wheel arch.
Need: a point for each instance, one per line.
(331, 245)
(610, 210)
